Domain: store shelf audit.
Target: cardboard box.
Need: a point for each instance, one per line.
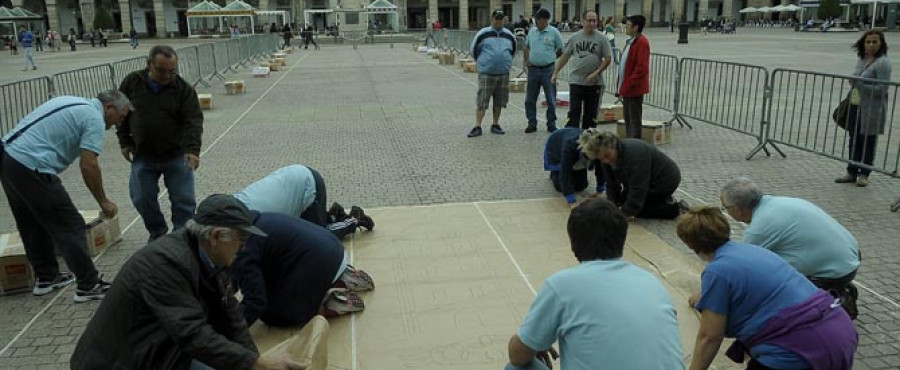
(279, 55)
(653, 132)
(283, 61)
(463, 61)
(260, 71)
(470, 67)
(206, 101)
(16, 275)
(612, 113)
(423, 49)
(101, 231)
(274, 66)
(435, 55)
(517, 84)
(447, 58)
(415, 46)
(234, 87)
(288, 50)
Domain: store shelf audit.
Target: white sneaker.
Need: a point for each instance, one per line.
(62, 280)
(96, 293)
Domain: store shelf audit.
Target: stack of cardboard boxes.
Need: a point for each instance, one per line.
(15, 271)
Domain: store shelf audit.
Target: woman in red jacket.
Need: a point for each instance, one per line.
(634, 74)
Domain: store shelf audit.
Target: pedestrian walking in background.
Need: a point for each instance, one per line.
(71, 39)
(287, 34)
(26, 38)
(133, 38)
(91, 37)
(38, 41)
(104, 40)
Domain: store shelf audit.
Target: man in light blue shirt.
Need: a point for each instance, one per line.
(605, 311)
(542, 46)
(299, 191)
(42, 145)
(804, 235)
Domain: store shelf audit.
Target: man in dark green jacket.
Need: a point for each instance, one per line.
(640, 179)
(162, 137)
(172, 304)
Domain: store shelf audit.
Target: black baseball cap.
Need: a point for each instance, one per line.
(497, 14)
(224, 210)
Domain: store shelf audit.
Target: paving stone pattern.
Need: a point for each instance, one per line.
(386, 127)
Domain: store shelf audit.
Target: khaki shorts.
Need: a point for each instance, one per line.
(492, 85)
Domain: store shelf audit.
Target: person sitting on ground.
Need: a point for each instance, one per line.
(781, 319)
(640, 178)
(300, 268)
(803, 234)
(172, 305)
(568, 166)
(299, 191)
(603, 311)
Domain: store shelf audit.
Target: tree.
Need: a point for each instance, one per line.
(829, 9)
(103, 18)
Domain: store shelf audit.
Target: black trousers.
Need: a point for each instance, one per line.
(47, 221)
(586, 98)
(317, 212)
(633, 112)
(657, 206)
(862, 146)
(579, 180)
(754, 365)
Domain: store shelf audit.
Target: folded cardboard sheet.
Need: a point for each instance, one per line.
(455, 281)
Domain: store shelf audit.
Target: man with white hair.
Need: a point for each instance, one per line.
(172, 305)
(33, 153)
(803, 234)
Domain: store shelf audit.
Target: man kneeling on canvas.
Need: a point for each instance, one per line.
(603, 311)
(298, 271)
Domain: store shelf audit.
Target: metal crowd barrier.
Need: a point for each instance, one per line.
(19, 98)
(728, 95)
(196, 64)
(85, 82)
(801, 117)
(123, 67)
(664, 78)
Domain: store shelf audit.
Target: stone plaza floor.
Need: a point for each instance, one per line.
(386, 128)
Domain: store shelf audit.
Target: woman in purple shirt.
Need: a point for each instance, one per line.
(776, 315)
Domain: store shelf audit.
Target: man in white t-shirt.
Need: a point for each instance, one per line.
(603, 311)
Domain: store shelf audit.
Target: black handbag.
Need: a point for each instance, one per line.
(841, 113)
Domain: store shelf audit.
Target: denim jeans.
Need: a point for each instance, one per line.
(539, 78)
(534, 365)
(29, 58)
(134, 42)
(143, 186)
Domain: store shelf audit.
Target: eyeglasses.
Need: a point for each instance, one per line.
(165, 72)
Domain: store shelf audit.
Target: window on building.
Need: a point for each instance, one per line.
(351, 17)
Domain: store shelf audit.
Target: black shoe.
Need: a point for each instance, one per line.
(98, 291)
(530, 129)
(337, 212)
(683, 207)
(364, 221)
(42, 287)
(551, 129)
(496, 129)
(475, 132)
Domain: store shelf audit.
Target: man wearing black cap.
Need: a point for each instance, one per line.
(542, 46)
(492, 48)
(172, 304)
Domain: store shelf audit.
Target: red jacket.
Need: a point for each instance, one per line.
(636, 81)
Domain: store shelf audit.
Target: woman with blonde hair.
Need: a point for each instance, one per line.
(777, 316)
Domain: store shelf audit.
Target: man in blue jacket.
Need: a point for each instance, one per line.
(493, 49)
(288, 276)
(26, 38)
(569, 166)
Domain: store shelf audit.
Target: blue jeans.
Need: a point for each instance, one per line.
(534, 365)
(540, 78)
(143, 186)
(134, 42)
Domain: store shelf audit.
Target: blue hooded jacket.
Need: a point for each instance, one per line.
(493, 50)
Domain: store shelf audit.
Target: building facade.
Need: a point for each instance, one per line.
(166, 18)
